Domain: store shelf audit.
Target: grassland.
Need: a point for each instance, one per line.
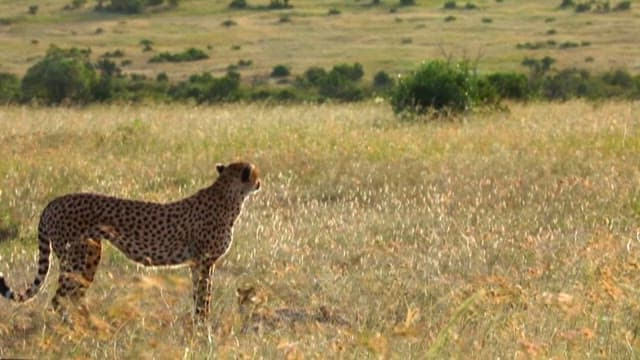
(371, 35)
(502, 235)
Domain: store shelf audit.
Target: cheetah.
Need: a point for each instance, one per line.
(194, 232)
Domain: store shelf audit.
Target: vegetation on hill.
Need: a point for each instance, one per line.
(69, 76)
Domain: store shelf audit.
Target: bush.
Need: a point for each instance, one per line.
(620, 78)
(132, 6)
(229, 23)
(583, 7)
(336, 86)
(191, 54)
(279, 4)
(146, 45)
(567, 84)
(623, 6)
(75, 4)
(382, 80)
(63, 74)
(353, 72)
(567, 4)
(113, 54)
(205, 88)
(238, 4)
(509, 85)
(314, 76)
(436, 85)
(449, 5)
(407, 2)
(280, 71)
(126, 6)
(340, 83)
(9, 88)
(33, 9)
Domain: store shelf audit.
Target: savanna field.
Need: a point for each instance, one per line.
(509, 234)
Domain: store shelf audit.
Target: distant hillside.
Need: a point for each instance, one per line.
(384, 36)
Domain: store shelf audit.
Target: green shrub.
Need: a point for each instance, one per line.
(132, 6)
(33, 9)
(105, 86)
(162, 77)
(407, 2)
(205, 88)
(436, 85)
(567, 4)
(340, 83)
(146, 45)
(583, 7)
(190, 54)
(568, 45)
(9, 88)
(280, 71)
(470, 6)
(353, 72)
(336, 86)
(238, 4)
(620, 78)
(450, 18)
(567, 84)
(113, 54)
(509, 85)
(279, 4)
(382, 80)
(63, 74)
(314, 76)
(126, 6)
(334, 11)
(449, 5)
(75, 4)
(229, 23)
(623, 6)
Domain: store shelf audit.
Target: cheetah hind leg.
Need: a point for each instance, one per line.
(76, 275)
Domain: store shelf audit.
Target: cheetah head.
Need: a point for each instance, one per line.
(244, 174)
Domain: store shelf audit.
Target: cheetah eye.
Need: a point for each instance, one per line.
(246, 173)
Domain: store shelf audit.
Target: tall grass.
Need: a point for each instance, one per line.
(507, 235)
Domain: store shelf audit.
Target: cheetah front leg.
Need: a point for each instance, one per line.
(201, 274)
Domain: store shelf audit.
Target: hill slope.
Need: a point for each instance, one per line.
(380, 37)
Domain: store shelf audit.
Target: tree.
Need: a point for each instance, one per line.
(63, 74)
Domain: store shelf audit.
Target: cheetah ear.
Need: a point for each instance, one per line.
(220, 168)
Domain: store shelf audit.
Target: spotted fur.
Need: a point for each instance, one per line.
(194, 231)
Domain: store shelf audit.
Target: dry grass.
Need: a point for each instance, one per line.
(508, 235)
(373, 36)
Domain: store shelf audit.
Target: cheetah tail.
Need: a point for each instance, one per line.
(44, 260)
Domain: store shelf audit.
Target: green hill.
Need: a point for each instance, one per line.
(499, 34)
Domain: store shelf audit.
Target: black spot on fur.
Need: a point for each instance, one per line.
(4, 289)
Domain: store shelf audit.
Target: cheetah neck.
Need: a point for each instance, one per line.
(221, 196)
